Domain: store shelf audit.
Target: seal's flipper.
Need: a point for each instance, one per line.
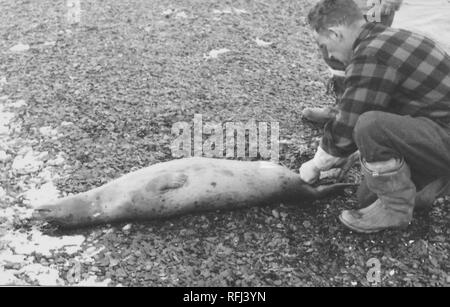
(167, 182)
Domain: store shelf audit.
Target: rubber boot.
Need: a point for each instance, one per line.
(394, 206)
(424, 198)
(364, 195)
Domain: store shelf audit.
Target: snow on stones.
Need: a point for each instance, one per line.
(19, 103)
(8, 278)
(181, 15)
(4, 157)
(42, 275)
(36, 242)
(167, 13)
(5, 118)
(262, 43)
(58, 161)
(9, 259)
(240, 11)
(20, 48)
(49, 43)
(2, 81)
(91, 281)
(45, 194)
(214, 54)
(28, 163)
(230, 10)
(66, 124)
(48, 131)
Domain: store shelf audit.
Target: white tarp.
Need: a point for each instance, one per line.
(428, 17)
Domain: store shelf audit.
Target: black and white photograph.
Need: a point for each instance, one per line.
(224, 149)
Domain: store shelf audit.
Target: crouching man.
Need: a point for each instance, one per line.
(395, 110)
(384, 13)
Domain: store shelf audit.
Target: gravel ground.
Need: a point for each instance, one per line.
(89, 102)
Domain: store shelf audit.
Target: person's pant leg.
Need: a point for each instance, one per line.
(424, 144)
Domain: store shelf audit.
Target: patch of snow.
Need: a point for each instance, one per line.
(92, 282)
(230, 11)
(5, 118)
(7, 278)
(24, 213)
(46, 175)
(47, 193)
(19, 103)
(92, 251)
(181, 15)
(240, 11)
(26, 164)
(65, 124)
(167, 13)
(44, 276)
(8, 213)
(19, 48)
(224, 11)
(262, 43)
(35, 242)
(58, 161)
(24, 150)
(8, 257)
(48, 131)
(214, 54)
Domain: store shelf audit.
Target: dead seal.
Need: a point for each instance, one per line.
(183, 186)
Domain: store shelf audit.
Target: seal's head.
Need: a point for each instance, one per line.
(67, 212)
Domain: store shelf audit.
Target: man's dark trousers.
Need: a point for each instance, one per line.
(422, 142)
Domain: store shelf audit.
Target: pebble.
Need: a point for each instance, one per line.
(4, 157)
(275, 214)
(19, 103)
(2, 193)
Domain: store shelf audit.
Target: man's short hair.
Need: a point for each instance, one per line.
(331, 13)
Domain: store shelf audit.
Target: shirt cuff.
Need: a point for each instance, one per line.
(337, 73)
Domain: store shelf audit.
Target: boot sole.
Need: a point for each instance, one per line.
(365, 231)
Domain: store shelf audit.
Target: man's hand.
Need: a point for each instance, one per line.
(322, 161)
(309, 172)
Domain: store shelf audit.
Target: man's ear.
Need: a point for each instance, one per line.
(335, 33)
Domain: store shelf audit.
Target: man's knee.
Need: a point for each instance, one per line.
(370, 135)
(369, 126)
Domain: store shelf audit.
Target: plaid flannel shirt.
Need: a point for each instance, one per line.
(394, 71)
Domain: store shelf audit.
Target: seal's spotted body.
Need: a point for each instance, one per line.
(182, 186)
